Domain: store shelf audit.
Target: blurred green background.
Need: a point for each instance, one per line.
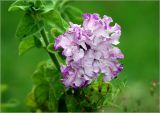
(139, 43)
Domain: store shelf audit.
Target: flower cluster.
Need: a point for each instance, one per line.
(89, 51)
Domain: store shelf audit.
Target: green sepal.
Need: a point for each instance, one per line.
(50, 48)
(58, 54)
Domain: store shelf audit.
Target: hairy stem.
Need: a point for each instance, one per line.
(52, 56)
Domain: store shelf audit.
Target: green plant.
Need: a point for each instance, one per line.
(48, 93)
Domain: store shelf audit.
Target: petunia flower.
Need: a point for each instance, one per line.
(90, 50)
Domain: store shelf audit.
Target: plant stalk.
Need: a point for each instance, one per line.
(52, 56)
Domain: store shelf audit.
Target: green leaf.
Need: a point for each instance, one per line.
(41, 93)
(28, 26)
(19, 5)
(46, 73)
(52, 105)
(54, 18)
(38, 77)
(73, 14)
(25, 45)
(28, 43)
(54, 78)
(50, 72)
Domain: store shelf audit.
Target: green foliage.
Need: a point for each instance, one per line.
(72, 103)
(10, 103)
(72, 14)
(53, 103)
(28, 43)
(41, 94)
(28, 26)
(36, 14)
(48, 93)
(59, 57)
(54, 18)
(47, 90)
(19, 5)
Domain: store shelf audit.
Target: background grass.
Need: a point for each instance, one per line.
(139, 43)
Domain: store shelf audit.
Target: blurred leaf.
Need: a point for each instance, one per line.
(60, 4)
(28, 26)
(46, 73)
(41, 93)
(54, 18)
(19, 5)
(73, 14)
(38, 77)
(52, 105)
(3, 88)
(30, 100)
(10, 104)
(38, 4)
(72, 104)
(50, 73)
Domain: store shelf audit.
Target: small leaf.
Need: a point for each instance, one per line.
(54, 18)
(41, 93)
(28, 26)
(73, 14)
(19, 5)
(25, 45)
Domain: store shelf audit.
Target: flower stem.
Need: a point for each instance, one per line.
(52, 56)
